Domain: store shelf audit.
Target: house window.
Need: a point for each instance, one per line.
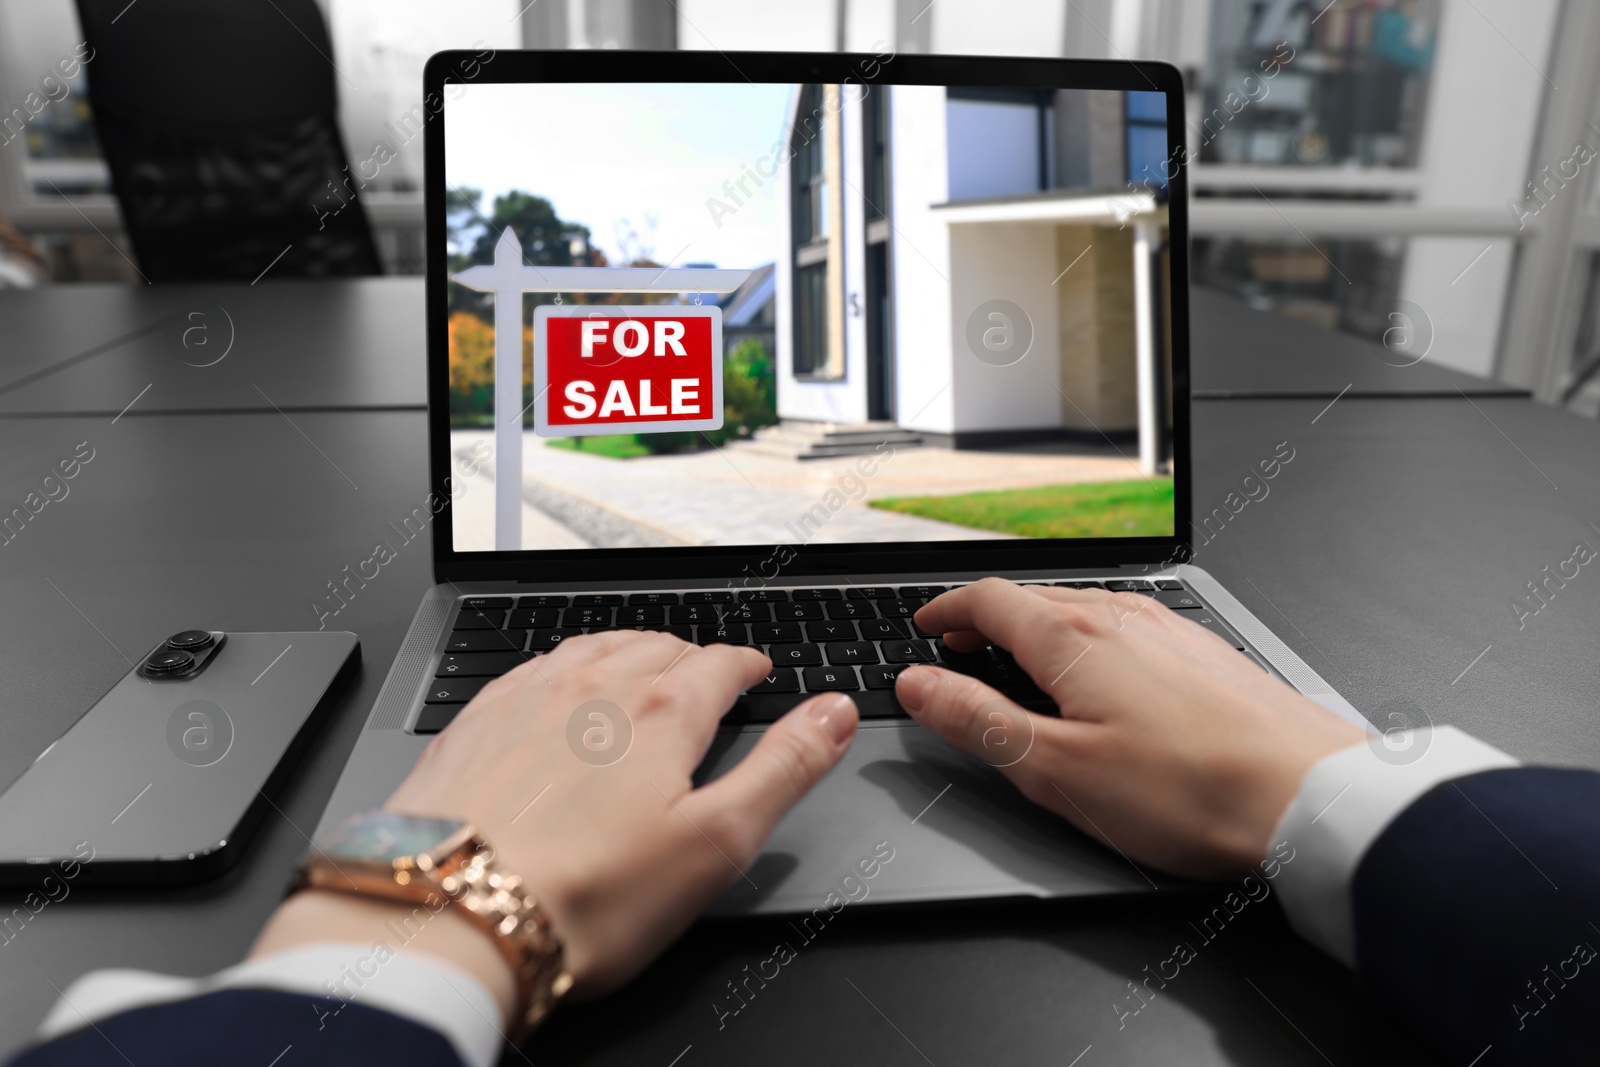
(811, 183)
(874, 114)
(811, 319)
(1147, 138)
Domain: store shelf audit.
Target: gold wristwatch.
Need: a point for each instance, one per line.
(430, 861)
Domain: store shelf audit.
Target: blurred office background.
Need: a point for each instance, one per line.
(1431, 158)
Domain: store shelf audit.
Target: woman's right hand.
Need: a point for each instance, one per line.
(1171, 746)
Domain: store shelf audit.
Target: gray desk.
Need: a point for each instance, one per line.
(1242, 352)
(300, 345)
(1385, 554)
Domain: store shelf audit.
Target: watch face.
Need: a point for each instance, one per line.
(385, 836)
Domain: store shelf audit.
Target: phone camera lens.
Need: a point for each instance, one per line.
(169, 661)
(190, 640)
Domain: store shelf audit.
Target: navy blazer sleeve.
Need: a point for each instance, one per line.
(1477, 917)
(235, 1026)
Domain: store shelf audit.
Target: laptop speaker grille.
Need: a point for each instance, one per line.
(399, 690)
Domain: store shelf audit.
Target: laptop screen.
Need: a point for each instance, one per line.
(736, 314)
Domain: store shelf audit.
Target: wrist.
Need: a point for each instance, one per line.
(313, 915)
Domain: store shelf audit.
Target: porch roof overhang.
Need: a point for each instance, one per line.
(1055, 207)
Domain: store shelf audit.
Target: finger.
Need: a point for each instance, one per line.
(698, 689)
(1004, 612)
(973, 717)
(741, 808)
(571, 653)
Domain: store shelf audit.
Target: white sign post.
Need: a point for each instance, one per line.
(508, 279)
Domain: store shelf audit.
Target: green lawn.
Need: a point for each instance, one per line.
(1141, 508)
(612, 446)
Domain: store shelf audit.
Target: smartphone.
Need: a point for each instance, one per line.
(167, 776)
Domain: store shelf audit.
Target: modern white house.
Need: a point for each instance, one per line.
(971, 267)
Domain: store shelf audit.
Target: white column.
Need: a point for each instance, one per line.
(1146, 350)
(507, 398)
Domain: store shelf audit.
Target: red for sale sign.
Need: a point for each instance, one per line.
(619, 369)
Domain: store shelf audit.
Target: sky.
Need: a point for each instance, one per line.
(610, 154)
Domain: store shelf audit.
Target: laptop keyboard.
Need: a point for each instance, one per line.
(853, 639)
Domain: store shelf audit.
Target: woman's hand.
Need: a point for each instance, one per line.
(1171, 746)
(619, 847)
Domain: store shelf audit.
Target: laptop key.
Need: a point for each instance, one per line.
(436, 717)
(920, 592)
(1080, 585)
(816, 594)
(758, 612)
(530, 618)
(772, 633)
(1178, 600)
(1210, 622)
(899, 609)
(545, 640)
(479, 620)
(761, 596)
(496, 603)
(728, 633)
(831, 679)
(883, 629)
(453, 690)
(486, 641)
(797, 611)
(837, 630)
(478, 664)
(870, 592)
(796, 655)
(597, 600)
(1129, 585)
(682, 614)
(851, 652)
(649, 615)
(709, 596)
(586, 616)
(781, 680)
(851, 609)
(1169, 585)
(652, 598)
(543, 600)
(881, 676)
(908, 652)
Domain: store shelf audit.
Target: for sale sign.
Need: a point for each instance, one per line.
(613, 369)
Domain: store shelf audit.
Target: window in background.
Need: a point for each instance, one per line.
(47, 114)
(380, 47)
(1146, 116)
(1353, 93)
(1348, 285)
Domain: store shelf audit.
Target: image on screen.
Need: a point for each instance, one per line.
(751, 314)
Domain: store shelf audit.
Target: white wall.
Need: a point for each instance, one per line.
(920, 255)
(1483, 110)
(1013, 261)
(999, 27)
(757, 25)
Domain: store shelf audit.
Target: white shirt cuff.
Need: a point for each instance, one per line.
(1345, 801)
(413, 985)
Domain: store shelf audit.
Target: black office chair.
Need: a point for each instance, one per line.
(219, 122)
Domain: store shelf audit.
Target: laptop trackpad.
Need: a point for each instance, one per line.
(905, 817)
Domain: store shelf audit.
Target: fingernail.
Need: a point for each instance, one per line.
(912, 687)
(830, 713)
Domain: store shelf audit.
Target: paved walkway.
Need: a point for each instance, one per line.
(733, 496)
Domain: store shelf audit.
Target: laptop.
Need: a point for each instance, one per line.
(770, 349)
